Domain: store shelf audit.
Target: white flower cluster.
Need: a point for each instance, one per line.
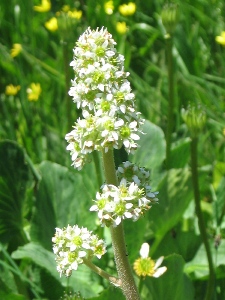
(140, 176)
(102, 91)
(72, 244)
(129, 200)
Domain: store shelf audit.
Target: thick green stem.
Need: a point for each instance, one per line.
(170, 121)
(202, 228)
(128, 285)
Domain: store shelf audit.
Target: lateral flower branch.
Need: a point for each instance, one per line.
(109, 121)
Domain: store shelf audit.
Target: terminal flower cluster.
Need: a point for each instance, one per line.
(139, 175)
(102, 91)
(127, 201)
(72, 244)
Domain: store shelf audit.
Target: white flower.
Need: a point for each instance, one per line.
(145, 266)
(144, 251)
(72, 244)
(140, 176)
(101, 89)
(114, 204)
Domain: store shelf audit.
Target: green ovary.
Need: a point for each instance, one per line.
(77, 240)
(125, 132)
(120, 209)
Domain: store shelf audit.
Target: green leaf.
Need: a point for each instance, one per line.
(111, 293)
(14, 178)
(80, 280)
(180, 154)
(151, 152)
(5, 296)
(48, 275)
(198, 268)
(219, 204)
(137, 230)
(174, 196)
(39, 256)
(64, 197)
(185, 243)
(173, 284)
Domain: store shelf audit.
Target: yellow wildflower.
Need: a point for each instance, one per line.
(121, 27)
(44, 7)
(127, 9)
(65, 8)
(76, 14)
(52, 24)
(220, 39)
(12, 89)
(109, 7)
(145, 266)
(34, 91)
(16, 49)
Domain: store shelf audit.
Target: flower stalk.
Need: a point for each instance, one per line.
(170, 121)
(109, 121)
(128, 285)
(169, 19)
(201, 222)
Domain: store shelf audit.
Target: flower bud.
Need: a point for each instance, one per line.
(195, 119)
(170, 17)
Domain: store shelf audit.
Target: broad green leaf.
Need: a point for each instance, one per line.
(219, 203)
(134, 236)
(174, 196)
(173, 284)
(11, 296)
(7, 281)
(39, 256)
(151, 152)
(14, 178)
(64, 197)
(111, 293)
(185, 243)
(198, 267)
(180, 154)
(218, 173)
(80, 280)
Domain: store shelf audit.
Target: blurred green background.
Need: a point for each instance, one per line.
(39, 190)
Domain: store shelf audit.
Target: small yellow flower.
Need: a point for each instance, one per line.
(44, 7)
(145, 266)
(12, 89)
(121, 27)
(220, 39)
(65, 8)
(16, 49)
(34, 91)
(109, 7)
(76, 14)
(127, 9)
(52, 24)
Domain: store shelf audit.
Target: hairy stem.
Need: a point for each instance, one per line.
(101, 272)
(128, 285)
(201, 223)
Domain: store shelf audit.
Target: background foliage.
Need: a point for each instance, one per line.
(38, 188)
